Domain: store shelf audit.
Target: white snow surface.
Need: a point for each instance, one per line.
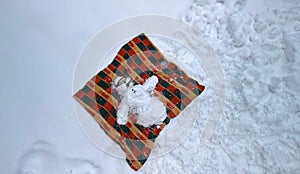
(260, 56)
(258, 45)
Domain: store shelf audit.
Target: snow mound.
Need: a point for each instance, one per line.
(260, 130)
(42, 158)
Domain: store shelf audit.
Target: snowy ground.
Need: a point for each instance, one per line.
(257, 43)
(260, 131)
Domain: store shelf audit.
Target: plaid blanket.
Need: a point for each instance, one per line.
(138, 59)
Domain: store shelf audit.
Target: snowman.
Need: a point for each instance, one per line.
(138, 99)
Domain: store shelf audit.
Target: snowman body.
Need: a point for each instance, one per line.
(138, 99)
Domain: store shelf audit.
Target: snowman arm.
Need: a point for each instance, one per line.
(122, 113)
(150, 83)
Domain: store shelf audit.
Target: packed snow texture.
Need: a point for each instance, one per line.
(260, 131)
(137, 99)
(43, 158)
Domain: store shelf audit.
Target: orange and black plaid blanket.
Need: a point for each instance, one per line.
(138, 59)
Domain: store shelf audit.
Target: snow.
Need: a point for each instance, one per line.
(137, 99)
(260, 129)
(42, 157)
(256, 41)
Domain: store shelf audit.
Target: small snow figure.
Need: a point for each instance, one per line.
(138, 99)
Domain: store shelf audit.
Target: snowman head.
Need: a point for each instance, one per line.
(138, 96)
(121, 84)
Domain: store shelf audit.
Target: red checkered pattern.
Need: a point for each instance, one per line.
(139, 59)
